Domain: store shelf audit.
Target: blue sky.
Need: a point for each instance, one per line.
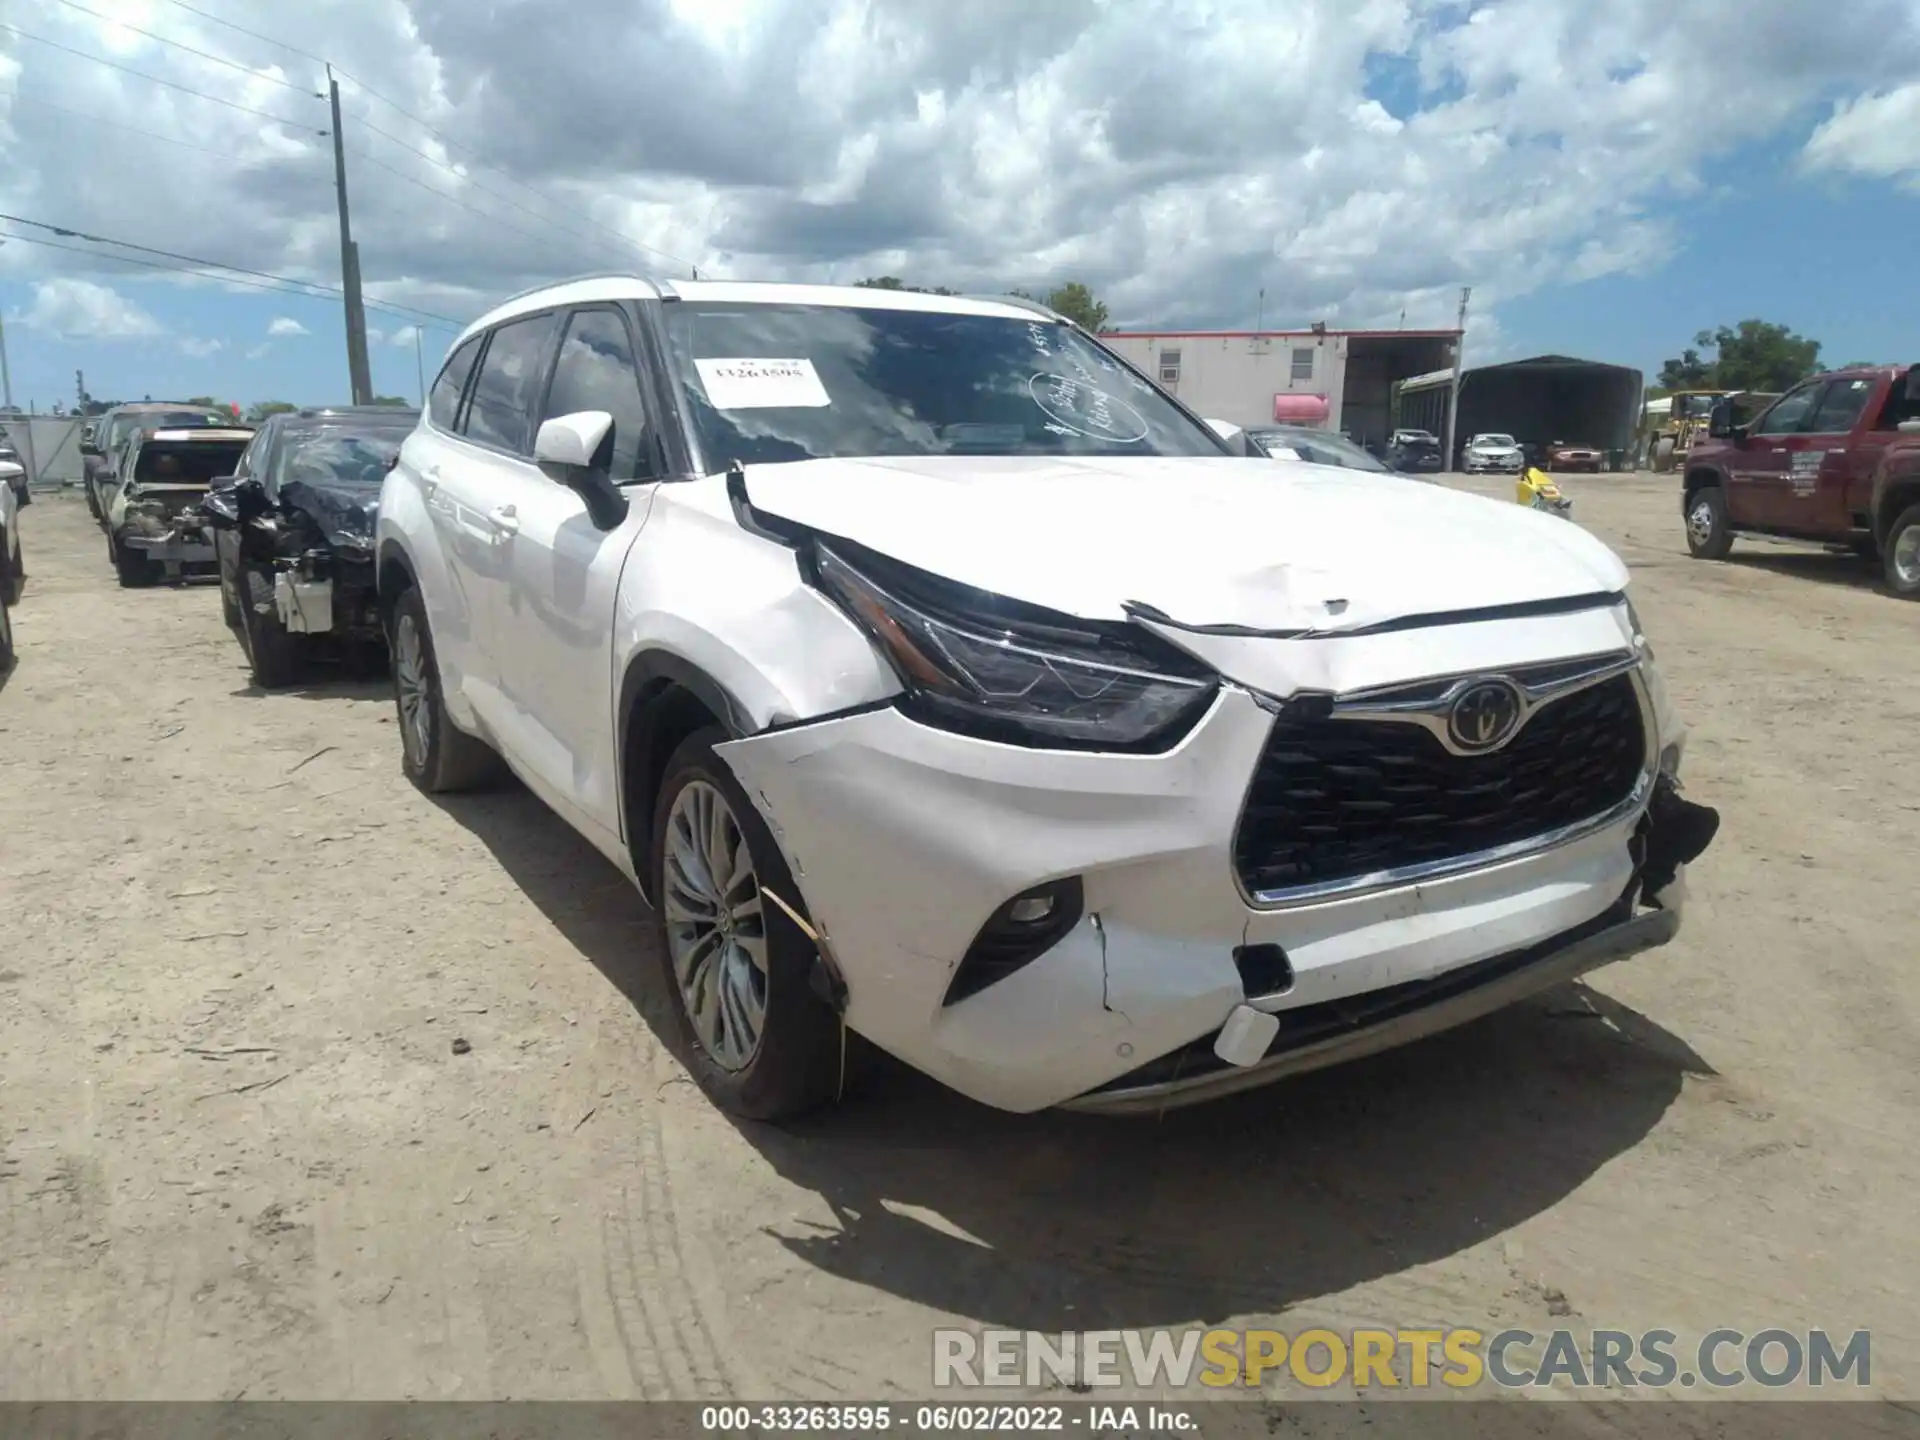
(1832, 259)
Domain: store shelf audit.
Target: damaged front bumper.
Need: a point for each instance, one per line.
(907, 842)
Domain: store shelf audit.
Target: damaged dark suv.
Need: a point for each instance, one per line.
(293, 534)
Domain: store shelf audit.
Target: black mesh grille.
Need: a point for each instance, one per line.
(1335, 799)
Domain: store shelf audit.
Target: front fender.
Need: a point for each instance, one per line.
(1894, 478)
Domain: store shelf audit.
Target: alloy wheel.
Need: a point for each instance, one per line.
(410, 688)
(1906, 556)
(716, 930)
(1700, 523)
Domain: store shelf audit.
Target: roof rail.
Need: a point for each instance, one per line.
(634, 274)
(1019, 302)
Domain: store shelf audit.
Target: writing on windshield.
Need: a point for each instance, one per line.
(773, 383)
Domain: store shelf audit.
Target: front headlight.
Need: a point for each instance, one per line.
(1008, 671)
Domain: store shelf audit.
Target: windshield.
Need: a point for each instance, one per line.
(337, 457)
(1696, 407)
(1495, 442)
(772, 383)
(1319, 448)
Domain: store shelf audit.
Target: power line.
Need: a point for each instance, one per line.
(203, 275)
(66, 232)
(454, 200)
(155, 79)
(503, 199)
(254, 34)
(249, 72)
(444, 139)
(453, 144)
(16, 96)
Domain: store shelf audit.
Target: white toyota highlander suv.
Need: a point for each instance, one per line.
(940, 679)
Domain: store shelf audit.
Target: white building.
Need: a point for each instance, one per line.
(1340, 379)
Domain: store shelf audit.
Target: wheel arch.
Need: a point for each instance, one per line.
(394, 571)
(1696, 479)
(1895, 494)
(664, 698)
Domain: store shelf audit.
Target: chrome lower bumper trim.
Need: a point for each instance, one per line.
(1645, 931)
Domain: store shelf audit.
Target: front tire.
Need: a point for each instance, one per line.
(93, 501)
(1662, 454)
(6, 634)
(1708, 535)
(273, 654)
(13, 571)
(436, 755)
(758, 1039)
(1902, 552)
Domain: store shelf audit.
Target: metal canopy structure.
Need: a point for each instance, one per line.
(1540, 400)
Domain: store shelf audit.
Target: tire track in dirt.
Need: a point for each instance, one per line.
(663, 1319)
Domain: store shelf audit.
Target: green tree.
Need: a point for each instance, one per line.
(263, 408)
(1077, 303)
(205, 402)
(1759, 355)
(1686, 372)
(391, 400)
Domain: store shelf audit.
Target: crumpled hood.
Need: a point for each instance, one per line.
(344, 511)
(1264, 544)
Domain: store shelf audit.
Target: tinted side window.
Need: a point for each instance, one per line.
(596, 371)
(444, 403)
(1841, 406)
(509, 373)
(1789, 416)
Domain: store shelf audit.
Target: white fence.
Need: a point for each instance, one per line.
(49, 447)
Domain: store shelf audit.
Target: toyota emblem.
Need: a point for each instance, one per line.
(1484, 716)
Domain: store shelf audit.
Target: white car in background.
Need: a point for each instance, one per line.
(1493, 454)
(940, 679)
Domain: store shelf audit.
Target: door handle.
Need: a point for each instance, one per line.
(506, 520)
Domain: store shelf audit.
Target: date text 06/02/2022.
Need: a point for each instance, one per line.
(1457, 1358)
(945, 1417)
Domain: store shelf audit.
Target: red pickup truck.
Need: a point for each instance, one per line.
(1835, 460)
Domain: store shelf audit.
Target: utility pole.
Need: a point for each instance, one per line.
(6, 375)
(357, 376)
(419, 367)
(1453, 390)
(80, 391)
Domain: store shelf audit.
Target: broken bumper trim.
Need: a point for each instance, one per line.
(1509, 984)
(170, 548)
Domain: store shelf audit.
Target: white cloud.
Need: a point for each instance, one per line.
(201, 349)
(404, 336)
(78, 309)
(1178, 155)
(1871, 135)
(286, 325)
(259, 351)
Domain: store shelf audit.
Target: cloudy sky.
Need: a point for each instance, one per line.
(1608, 178)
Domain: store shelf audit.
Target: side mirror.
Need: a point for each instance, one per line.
(1913, 386)
(569, 445)
(1720, 424)
(1224, 429)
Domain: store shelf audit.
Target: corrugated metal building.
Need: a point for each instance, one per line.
(1543, 400)
(1340, 379)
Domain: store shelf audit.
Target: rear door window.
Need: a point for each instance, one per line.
(1840, 407)
(443, 405)
(500, 411)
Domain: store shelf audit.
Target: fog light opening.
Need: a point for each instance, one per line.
(1022, 930)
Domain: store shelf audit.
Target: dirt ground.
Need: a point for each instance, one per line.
(241, 1151)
